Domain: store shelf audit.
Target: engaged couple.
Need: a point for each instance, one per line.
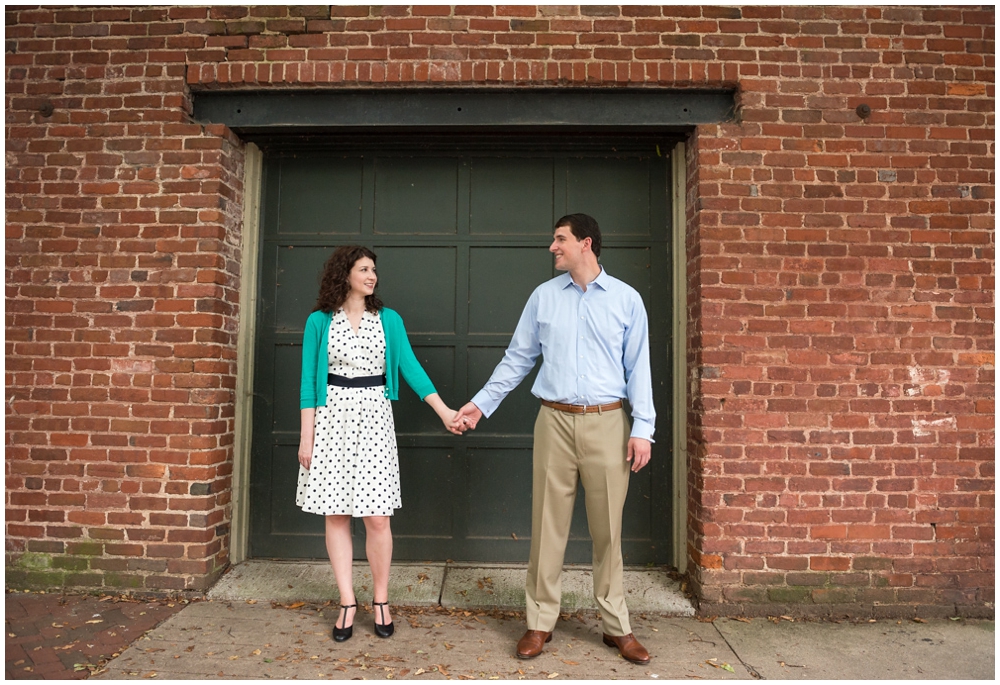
(591, 330)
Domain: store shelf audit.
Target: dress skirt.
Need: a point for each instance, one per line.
(355, 462)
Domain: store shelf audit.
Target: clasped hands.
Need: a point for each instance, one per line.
(465, 418)
(638, 452)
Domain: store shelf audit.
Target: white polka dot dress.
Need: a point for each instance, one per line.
(355, 463)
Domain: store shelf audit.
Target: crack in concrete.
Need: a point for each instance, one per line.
(750, 669)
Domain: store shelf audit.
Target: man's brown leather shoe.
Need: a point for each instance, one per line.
(628, 647)
(530, 646)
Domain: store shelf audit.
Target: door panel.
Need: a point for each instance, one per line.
(616, 190)
(320, 195)
(462, 229)
(411, 278)
(415, 195)
(295, 283)
(511, 196)
(500, 281)
(412, 416)
(516, 414)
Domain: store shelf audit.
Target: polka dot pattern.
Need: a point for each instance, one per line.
(355, 463)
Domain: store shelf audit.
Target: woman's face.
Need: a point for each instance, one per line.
(362, 278)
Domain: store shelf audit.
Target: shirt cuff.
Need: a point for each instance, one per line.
(485, 403)
(642, 429)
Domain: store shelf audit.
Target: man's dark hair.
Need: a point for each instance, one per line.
(583, 226)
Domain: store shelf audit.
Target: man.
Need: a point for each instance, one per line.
(592, 333)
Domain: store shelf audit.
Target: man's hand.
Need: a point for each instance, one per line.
(638, 453)
(467, 417)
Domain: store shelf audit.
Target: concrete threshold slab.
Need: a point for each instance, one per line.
(452, 585)
(312, 581)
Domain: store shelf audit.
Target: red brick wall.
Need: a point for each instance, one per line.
(840, 269)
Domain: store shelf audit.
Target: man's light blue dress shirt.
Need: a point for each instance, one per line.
(594, 347)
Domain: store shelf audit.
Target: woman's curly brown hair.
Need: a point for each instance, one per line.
(334, 285)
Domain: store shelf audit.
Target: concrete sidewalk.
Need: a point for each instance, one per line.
(238, 639)
(273, 620)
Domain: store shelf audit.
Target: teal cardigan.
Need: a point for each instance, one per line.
(398, 356)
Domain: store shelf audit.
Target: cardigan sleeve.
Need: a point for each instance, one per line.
(413, 373)
(311, 338)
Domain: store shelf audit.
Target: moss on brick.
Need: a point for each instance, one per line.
(122, 581)
(833, 595)
(44, 579)
(14, 578)
(745, 594)
(84, 580)
(790, 595)
(33, 561)
(71, 563)
(86, 548)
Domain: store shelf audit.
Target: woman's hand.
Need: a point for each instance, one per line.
(448, 419)
(444, 412)
(307, 434)
(305, 455)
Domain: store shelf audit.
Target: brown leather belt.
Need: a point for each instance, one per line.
(582, 408)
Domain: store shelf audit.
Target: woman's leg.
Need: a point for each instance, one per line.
(379, 549)
(340, 547)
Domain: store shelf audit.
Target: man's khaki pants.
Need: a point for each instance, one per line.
(591, 447)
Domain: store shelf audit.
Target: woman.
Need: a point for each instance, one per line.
(353, 352)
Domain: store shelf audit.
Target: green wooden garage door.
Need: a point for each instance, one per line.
(461, 228)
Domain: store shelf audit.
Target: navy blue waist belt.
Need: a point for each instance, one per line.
(359, 382)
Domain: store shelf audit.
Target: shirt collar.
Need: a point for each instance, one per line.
(602, 280)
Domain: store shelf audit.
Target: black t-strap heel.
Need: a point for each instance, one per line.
(383, 629)
(344, 634)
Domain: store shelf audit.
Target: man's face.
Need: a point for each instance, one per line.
(567, 249)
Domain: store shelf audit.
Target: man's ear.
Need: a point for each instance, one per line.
(588, 242)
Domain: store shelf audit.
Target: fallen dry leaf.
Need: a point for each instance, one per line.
(743, 620)
(96, 620)
(570, 663)
(256, 652)
(296, 605)
(550, 676)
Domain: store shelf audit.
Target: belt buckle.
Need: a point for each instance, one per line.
(584, 407)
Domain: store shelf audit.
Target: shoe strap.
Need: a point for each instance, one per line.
(345, 607)
(381, 611)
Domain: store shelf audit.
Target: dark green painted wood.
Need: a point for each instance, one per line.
(461, 227)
